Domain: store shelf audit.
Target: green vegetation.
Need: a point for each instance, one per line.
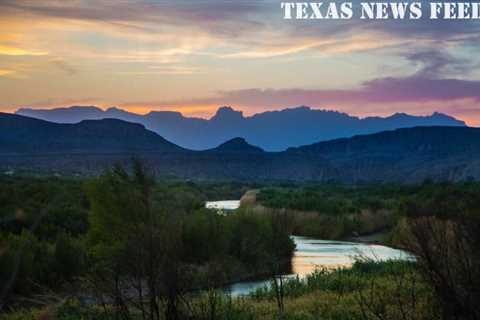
(124, 235)
(338, 212)
(125, 246)
(367, 291)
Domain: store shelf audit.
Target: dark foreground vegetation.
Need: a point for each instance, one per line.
(124, 246)
(125, 241)
(343, 212)
(338, 212)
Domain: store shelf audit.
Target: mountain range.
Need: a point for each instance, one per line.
(19, 134)
(406, 155)
(271, 131)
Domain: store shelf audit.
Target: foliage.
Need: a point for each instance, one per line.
(69, 309)
(336, 212)
(54, 253)
(138, 247)
(441, 228)
(369, 290)
(153, 252)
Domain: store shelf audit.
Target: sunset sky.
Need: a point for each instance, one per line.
(195, 55)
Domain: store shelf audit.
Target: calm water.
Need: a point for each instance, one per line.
(223, 205)
(311, 254)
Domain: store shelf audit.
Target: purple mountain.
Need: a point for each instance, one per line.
(272, 131)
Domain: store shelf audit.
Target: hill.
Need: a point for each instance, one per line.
(406, 155)
(238, 145)
(272, 131)
(20, 134)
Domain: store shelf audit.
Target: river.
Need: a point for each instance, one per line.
(311, 254)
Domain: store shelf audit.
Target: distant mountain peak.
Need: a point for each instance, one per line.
(400, 115)
(117, 112)
(274, 130)
(237, 145)
(114, 109)
(302, 108)
(227, 114)
(111, 122)
(440, 115)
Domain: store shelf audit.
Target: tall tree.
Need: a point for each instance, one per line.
(136, 245)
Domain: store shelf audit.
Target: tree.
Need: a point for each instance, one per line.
(136, 245)
(280, 250)
(442, 232)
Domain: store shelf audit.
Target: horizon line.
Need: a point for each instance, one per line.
(244, 114)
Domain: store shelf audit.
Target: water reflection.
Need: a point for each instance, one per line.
(226, 205)
(311, 254)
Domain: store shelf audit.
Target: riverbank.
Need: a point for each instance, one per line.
(378, 237)
(306, 261)
(364, 226)
(366, 291)
(311, 255)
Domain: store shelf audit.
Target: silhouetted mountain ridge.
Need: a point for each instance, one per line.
(271, 130)
(28, 135)
(237, 145)
(405, 155)
(400, 142)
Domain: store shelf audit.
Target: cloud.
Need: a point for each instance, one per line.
(382, 90)
(5, 72)
(375, 98)
(166, 70)
(227, 19)
(426, 84)
(380, 97)
(58, 102)
(417, 89)
(436, 63)
(12, 51)
(424, 91)
(235, 23)
(64, 66)
(326, 46)
(186, 37)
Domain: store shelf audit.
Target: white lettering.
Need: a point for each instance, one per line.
(367, 10)
(415, 10)
(302, 10)
(287, 6)
(346, 10)
(399, 10)
(435, 10)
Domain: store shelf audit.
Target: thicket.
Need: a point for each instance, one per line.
(127, 240)
(124, 246)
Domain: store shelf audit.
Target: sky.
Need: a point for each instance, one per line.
(193, 56)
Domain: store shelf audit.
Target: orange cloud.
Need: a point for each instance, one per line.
(12, 51)
(4, 72)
